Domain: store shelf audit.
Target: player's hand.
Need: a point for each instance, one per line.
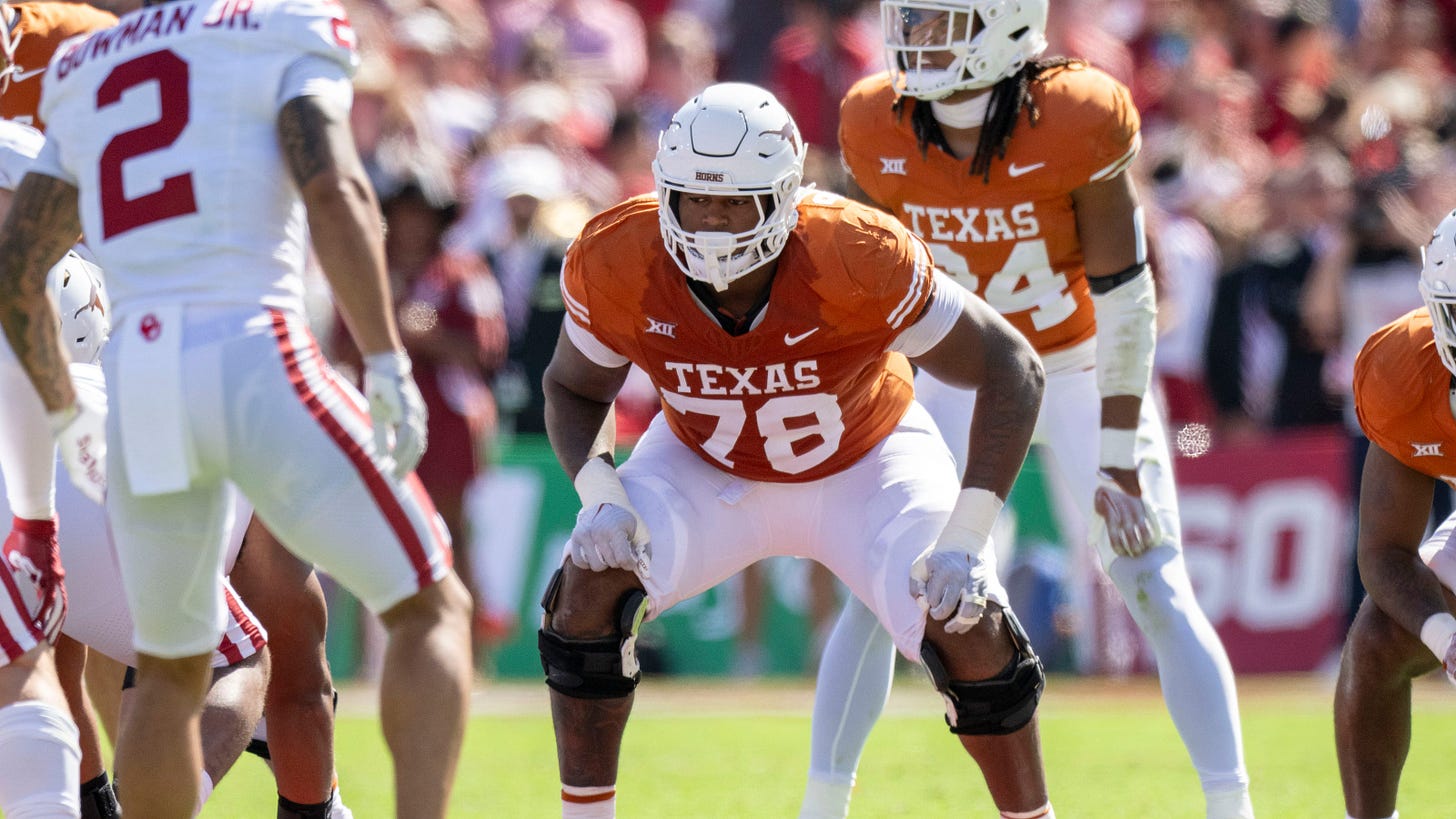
(33, 558)
(397, 408)
(80, 432)
(949, 583)
(609, 536)
(1130, 521)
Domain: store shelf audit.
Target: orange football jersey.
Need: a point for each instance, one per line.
(807, 391)
(41, 27)
(1012, 241)
(1402, 396)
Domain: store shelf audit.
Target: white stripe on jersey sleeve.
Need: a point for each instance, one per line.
(917, 286)
(574, 306)
(946, 304)
(592, 348)
(1120, 164)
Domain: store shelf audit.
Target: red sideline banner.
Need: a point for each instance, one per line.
(1267, 536)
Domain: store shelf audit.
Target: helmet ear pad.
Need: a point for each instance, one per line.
(733, 139)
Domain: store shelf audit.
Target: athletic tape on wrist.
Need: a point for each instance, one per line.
(394, 362)
(62, 418)
(1118, 448)
(969, 526)
(1126, 335)
(1436, 633)
(598, 482)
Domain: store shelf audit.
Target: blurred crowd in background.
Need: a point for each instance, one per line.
(1296, 155)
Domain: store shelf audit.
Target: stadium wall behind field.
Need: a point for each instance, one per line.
(1267, 538)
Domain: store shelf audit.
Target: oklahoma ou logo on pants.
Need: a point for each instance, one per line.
(255, 405)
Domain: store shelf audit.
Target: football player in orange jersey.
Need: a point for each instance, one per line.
(775, 322)
(29, 35)
(1013, 170)
(1405, 397)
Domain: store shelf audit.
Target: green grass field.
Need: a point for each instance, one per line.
(740, 749)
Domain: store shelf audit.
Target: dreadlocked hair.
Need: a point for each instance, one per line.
(1009, 97)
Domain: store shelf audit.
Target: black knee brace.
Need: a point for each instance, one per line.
(1000, 705)
(596, 668)
(98, 799)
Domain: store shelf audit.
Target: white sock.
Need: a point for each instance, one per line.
(850, 691)
(40, 762)
(593, 802)
(1228, 803)
(1043, 812)
(826, 800)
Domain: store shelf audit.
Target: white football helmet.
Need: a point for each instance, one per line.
(1438, 287)
(80, 296)
(733, 139)
(987, 40)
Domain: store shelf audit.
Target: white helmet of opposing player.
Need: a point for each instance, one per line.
(733, 139)
(986, 41)
(80, 295)
(1438, 287)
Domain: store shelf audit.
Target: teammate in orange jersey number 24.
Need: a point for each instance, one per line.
(1013, 169)
(778, 324)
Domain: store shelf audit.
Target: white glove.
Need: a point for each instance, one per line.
(951, 577)
(608, 536)
(398, 410)
(946, 582)
(1439, 635)
(80, 432)
(1130, 522)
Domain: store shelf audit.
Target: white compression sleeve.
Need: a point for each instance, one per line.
(27, 451)
(40, 762)
(1193, 669)
(1127, 332)
(855, 673)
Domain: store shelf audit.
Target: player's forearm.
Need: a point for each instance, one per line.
(344, 223)
(41, 225)
(1006, 410)
(579, 428)
(343, 216)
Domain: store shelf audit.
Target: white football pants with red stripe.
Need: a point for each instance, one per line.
(252, 402)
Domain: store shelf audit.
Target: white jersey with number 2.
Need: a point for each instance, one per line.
(179, 189)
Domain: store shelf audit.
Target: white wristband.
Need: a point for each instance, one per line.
(597, 482)
(1119, 448)
(1436, 633)
(62, 418)
(969, 526)
(394, 362)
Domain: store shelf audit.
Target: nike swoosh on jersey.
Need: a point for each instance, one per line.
(791, 340)
(1013, 170)
(22, 76)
